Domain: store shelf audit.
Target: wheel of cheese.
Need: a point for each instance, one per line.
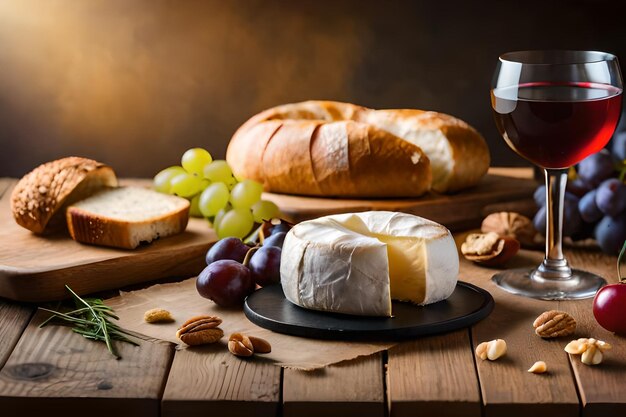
(357, 263)
(326, 148)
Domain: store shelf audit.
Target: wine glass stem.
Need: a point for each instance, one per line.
(554, 265)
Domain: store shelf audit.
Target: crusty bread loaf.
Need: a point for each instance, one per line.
(125, 217)
(39, 199)
(330, 148)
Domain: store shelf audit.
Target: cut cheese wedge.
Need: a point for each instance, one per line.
(357, 263)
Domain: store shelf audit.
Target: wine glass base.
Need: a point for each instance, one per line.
(522, 282)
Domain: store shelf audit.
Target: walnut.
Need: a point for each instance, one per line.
(200, 330)
(489, 248)
(554, 323)
(513, 225)
(591, 350)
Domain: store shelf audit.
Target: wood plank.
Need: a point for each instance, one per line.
(209, 380)
(433, 376)
(55, 372)
(506, 388)
(601, 387)
(13, 320)
(5, 183)
(36, 268)
(493, 191)
(354, 387)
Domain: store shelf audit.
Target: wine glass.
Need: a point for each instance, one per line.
(555, 108)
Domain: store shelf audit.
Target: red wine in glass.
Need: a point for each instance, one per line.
(555, 108)
(556, 125)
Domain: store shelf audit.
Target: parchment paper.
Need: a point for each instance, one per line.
(184, 302)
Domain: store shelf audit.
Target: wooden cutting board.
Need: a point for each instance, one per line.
(35, 268)
(502, 189)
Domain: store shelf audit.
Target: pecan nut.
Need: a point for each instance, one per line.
(489, 248)
(200, 330)
(554, 323)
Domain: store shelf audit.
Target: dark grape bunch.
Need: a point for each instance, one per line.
(595, 200)
(234, 268)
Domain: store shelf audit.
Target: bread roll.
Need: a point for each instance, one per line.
(327, 148)
(39, 199)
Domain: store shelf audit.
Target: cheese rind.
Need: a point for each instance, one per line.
(356, 263)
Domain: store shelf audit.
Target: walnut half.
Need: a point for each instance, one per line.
(489, 248)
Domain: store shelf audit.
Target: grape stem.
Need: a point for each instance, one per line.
(619, 262)
(249, 254)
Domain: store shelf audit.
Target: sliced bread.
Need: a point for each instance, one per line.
(126, 217)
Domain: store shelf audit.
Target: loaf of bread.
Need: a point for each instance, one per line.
(126, 217)
(326, 148)
(39, 199)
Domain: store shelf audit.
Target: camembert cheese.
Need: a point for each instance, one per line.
(357, 263)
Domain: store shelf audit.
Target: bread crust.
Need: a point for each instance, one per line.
(324, 148)
(41, 196)
(87, 227)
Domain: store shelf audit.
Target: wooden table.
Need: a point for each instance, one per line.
(52, 371)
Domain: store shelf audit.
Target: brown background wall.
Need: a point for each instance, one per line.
(135, 83)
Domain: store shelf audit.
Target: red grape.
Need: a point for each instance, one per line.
(275, 239)
(609, 308)
(265, 265)
(226, 282)
(228, 248)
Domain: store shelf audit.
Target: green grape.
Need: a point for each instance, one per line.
(194, 210)
(218, 171)
(264, 210)
(195, 159)
(231, 183)
(245, 194)
(213, 199)
(237, 222)
(220, 214)
(186, 185)
(163, 180)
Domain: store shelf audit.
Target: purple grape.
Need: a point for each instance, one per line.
(619, 144)
(540, 196)
(228, 248)
(226, 282)
(275, 239)
(572, 222)
(610, 233)
(596, 168)
(281, 227)
(611, 197)
(578, 187)
(588, 208)
(265, 265)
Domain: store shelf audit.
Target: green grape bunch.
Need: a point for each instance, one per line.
(232, 205)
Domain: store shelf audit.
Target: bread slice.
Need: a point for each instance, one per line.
(126, 217)
(39, 199)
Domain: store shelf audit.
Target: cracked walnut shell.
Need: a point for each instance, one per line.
(489, 248)
(200, 330)
(513, 225)
(554, 323)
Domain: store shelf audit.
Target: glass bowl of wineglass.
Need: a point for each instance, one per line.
(555, 108)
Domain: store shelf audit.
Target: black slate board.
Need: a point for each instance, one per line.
(468, 304)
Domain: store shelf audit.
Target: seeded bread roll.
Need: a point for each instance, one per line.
(327, 148)
(39, 199)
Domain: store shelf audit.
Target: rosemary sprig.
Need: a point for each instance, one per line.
(92, 319)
